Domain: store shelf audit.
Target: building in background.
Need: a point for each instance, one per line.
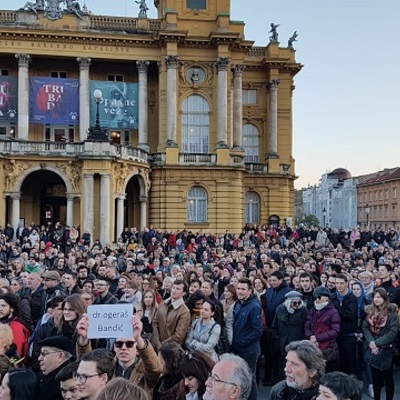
(198, 120)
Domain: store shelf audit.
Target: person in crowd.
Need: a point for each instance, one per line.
(35, 298)
(166, 288)
(7, 346)
(194, 303)
(68, 387)
(19, 384)
(247, 328)
(307, 285)
(231, 378)
(121, 389)
(322, 326)
(173, 317)
(346, 304)
(5, 365)
(95, 370)
(229, 299)
(149, 310)
(380, 328)
(384, 274)
(70, 281)
(52, 284)
(204, 333)
(288, 326)
(55, 354)
(104, 295)
(132, 293)
(169, 385)
(305, 366)
(339, 386)
(196, 368)
(207, 287)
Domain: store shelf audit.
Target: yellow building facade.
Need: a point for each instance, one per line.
(210, 146)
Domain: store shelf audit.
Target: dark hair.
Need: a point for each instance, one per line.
(72, 273)
(104, 359)
(342, 385)
(387, 266)
(278, 275)
(13, 301)
(230, 288)
(181, 282)
(305, 275)
(67, 372)
(193, 298)
(342, 276)
(89, 281)
(247, 282)
(172, 354)
(55, 301)
(213, 306)
(23, 384)
(4, 366)
(199, 365)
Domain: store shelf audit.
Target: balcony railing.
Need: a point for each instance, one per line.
(257, 168)
(256, 52)
(121, 24)
(7, 16)
(197, 158)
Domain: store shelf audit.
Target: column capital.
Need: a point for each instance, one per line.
(143, 199)
(15, 195)
(222, 63)
(70, 196)
(172, 62)
(120, 196)
(23, 60)
(238, 70)
(273, 84)
(142, 66)
(88, 175)
(84, 62)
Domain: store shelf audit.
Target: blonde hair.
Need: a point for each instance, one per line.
(122, 389)
(7, 335)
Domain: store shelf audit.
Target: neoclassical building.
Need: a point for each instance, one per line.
(176, 122)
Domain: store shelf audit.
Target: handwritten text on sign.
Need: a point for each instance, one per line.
(110, 321)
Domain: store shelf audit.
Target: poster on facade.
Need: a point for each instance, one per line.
(8, 98)
(118, 108)
(54, 101)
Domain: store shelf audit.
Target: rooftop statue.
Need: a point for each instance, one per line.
(274, 33)
(292, 39)
(35, 7)
(142, 8)
(74, 8)
(52, 8)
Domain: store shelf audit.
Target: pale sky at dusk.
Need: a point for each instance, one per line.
(346, 102)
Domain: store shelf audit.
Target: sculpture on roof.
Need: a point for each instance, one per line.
(292, 39)
(74, 8)
(142, 8)
(34, 7)
(274, 32)
(52, 8)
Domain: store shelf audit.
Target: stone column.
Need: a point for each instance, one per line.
(238, 107)
(143, 211)
(23, 95)
(222, 108)
(88, 203)
(70, 209)
(143, 117)
(105, 208)
(120, 214)
(273, 118)
(172, 65)
(16, 197)
(84, 97)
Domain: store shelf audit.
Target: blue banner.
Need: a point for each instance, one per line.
(118, 108)
(54, 101)
(8, 98)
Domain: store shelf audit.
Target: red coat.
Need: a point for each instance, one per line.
(21, 336)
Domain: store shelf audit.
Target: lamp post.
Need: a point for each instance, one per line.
(324, 215)
(96, 133)
(367, 210)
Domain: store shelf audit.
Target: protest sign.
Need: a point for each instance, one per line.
(110, 321)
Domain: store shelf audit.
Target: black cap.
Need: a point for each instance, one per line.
(59, 342)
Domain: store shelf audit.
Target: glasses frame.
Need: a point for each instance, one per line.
(129, 344)
(215, 380)
(45, 354)
(82, 378)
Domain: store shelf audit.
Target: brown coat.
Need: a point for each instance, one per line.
(171, 324)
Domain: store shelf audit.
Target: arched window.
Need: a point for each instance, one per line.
(195, 125)
(251, 143)
(197, 205)
(252, 212)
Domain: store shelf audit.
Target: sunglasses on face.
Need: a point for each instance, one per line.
(318, 297)
(129, 344)
(296, 303)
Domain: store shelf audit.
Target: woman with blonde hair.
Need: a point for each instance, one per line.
(122, 389)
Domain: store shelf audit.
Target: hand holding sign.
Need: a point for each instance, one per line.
(82, 329)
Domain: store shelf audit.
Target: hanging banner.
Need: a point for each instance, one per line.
(8, 98)
(54, 101)
(118, 107)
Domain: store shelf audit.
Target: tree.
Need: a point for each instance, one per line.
(308, 220)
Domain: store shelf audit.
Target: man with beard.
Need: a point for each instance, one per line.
(305, 365)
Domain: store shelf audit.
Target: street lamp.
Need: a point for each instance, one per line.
(367, 210)
(324, 215)
(96, 133)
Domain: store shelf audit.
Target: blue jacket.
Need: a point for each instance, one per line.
(275, 297)
(247, 325)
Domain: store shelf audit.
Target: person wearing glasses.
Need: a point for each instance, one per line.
(288, 326)
(231, 378)
(322, 326)
(136, 360)
(55, 354)
(95, 370)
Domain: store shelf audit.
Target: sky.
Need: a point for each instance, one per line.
(346, 108)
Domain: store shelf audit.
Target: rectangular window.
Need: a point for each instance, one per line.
(115, 78)
(249, 96)
(386, 194)
(395, 193)
(59, 134)
(196, 4)
(58, 74)
(7, 129)
(4, 72)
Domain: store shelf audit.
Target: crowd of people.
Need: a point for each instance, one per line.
(313, 313)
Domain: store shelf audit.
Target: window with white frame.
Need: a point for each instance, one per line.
(115, 78)
(7, 129)
(59, 133)
(197, 205)
(252, 211)
(58, 74)
(251, 143)
(249, 96)
(195, 125)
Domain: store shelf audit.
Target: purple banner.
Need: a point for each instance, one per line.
(8, 98)
(54, 101)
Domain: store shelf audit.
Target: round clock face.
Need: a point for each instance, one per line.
(195, 75)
